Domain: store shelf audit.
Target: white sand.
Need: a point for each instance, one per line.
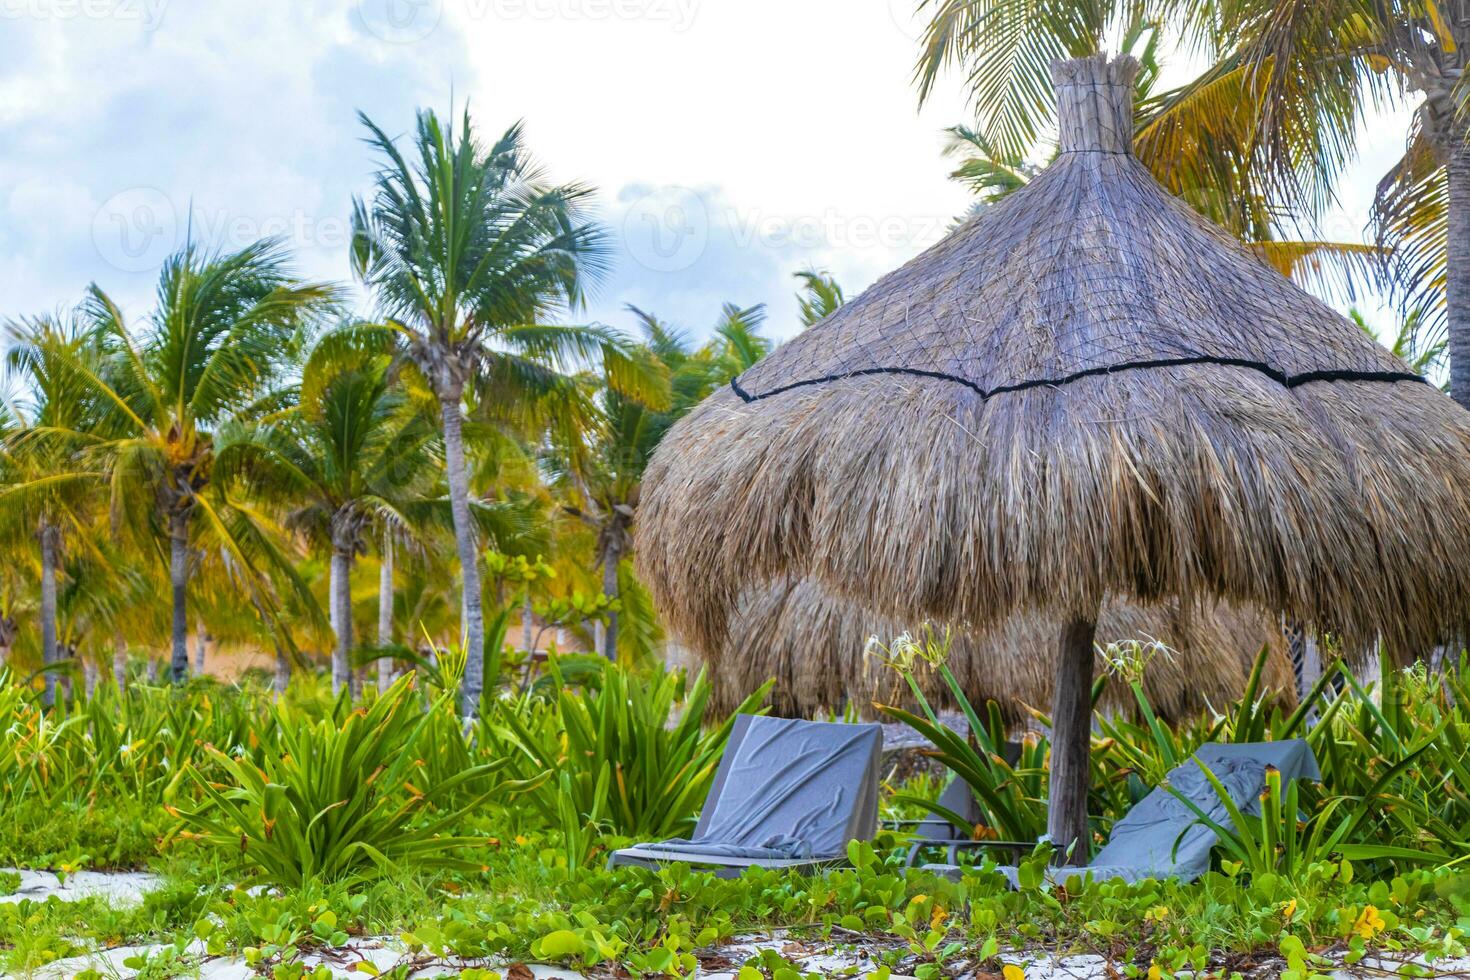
(118, 886)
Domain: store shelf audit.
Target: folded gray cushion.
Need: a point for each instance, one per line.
(788, 790)
(1162, 836)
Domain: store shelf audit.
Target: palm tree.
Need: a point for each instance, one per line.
(1197, 139)
(1337, 59)
(468, 253)
(354, 455)
(49, 492)
(184, 384)
(9, 627)
(13, 585)
(92, 602)
(600, 470)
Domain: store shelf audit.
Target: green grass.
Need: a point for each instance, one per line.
(101, 834)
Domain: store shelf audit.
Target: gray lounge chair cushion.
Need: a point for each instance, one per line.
(792, 791)
(1162, 837)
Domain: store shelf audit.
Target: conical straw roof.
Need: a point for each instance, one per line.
(1086, 390)
(812, 644)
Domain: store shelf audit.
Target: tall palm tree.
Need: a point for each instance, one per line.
(355, 454)
(469, 253)
(600, 470)
(50, 491)
(13, 585)
(184, 383)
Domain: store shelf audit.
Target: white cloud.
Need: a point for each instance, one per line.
(230, 121)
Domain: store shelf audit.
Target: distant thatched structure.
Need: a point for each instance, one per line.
(812, 644)
(1085, 391)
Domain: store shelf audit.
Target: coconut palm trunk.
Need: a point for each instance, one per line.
(610, 563)
(178, 573)
(201, 647)
(1457, 286)
(473, 628)
(50, 553)
(332, 591)
(282, 677)
(343, 551)
(385, 613)
(66, 652)
(528, 622)
(120, 661)
(341, 599)
(9, 628)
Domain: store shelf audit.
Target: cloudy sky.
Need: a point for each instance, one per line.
(733, 142)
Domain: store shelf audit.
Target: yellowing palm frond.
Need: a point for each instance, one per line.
(1329, 269)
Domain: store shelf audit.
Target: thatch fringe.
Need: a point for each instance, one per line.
(813, 645)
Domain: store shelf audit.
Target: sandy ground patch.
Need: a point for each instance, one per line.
(119, 886)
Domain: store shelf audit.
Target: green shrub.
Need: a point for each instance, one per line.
(1011, 799)
(626, 758)
(330, 800)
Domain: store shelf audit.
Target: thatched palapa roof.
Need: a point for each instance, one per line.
(1086, 390)
(812, 644)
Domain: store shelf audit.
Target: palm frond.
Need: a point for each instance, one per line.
(1410, 218)
(819, 297)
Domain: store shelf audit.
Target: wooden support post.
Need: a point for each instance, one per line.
(1071, 743)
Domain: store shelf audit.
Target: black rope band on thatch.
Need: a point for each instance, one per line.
(1280, 377)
